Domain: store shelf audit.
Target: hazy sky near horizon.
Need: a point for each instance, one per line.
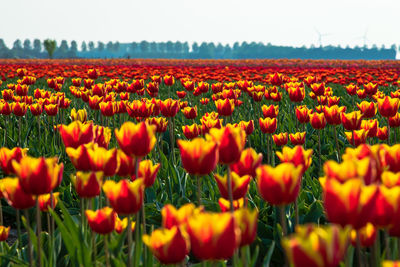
(284, 22)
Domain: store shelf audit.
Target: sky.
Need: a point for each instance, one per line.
(279, 22)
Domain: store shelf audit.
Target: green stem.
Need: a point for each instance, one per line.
(19, 229)
(337, 143)
(283, 219)
(388, 140)
(19, 131)
(319, 150)
(198, 190)
(39, 232)
(358, 251)
(106, 251)
(229, 184)
(29, 238)
(129, 235)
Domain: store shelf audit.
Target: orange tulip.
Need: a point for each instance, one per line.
(333, 114)
(239, 185)
(371, 126)
(136, 139)
(191, 131)
(19, 109)
(190, 113)
(38, 176)
(247, 221)
(386, 206)
(360, 137)
(318, 120)
(36, 109)
(108, 109)
(248, 163)
(87, 184)
(296, 93)
(367, 235)
(178, 217)
(388, 106)
(15, 196)
(298, 138)
(231, 142)
(76, 134)
(225, 107)
(352, 121)
(169, 80)
(314, 246)
(382, 133)
(104, 160)
(390, 179)
(303, 114)
(161, 123)
(390, 157)
(270, 111)
(296, 155)
(46, 202)
(148, 172)
(4, 232)
(199, 156)
(349, 203)
(125, 197)
(318, 88)
(213, 236)
(280, 185)
(268, 125)
(101, 221)
(7, 156)
(387, 263)
(51, 109)
(169, 107)
(363, 169)
(120, 225)
(80, 156)
(225, 204)
(280, 139)
(368, 109)
(169, 246)
(247, 126)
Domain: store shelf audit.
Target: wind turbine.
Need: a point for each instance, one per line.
(320, 35)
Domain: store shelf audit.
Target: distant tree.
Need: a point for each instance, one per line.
(109, 46)
(206, 50)
(116, 47)
(37, 46)
(144, 46)
(73, 49)
(133, 47)
(162, 47)
(185, 48)
(91, 46)
(63, 49)
(195, 48)
(170, 47)
(2, 44)
(100, 46)
(27, 45)
(17, 45)
(4, 52)
(83, 46)
(178, 47)
(50, 46)
(153, 48)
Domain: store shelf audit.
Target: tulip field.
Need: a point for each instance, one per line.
(238, 163)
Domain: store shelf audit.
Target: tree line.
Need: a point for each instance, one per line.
(144, 49)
